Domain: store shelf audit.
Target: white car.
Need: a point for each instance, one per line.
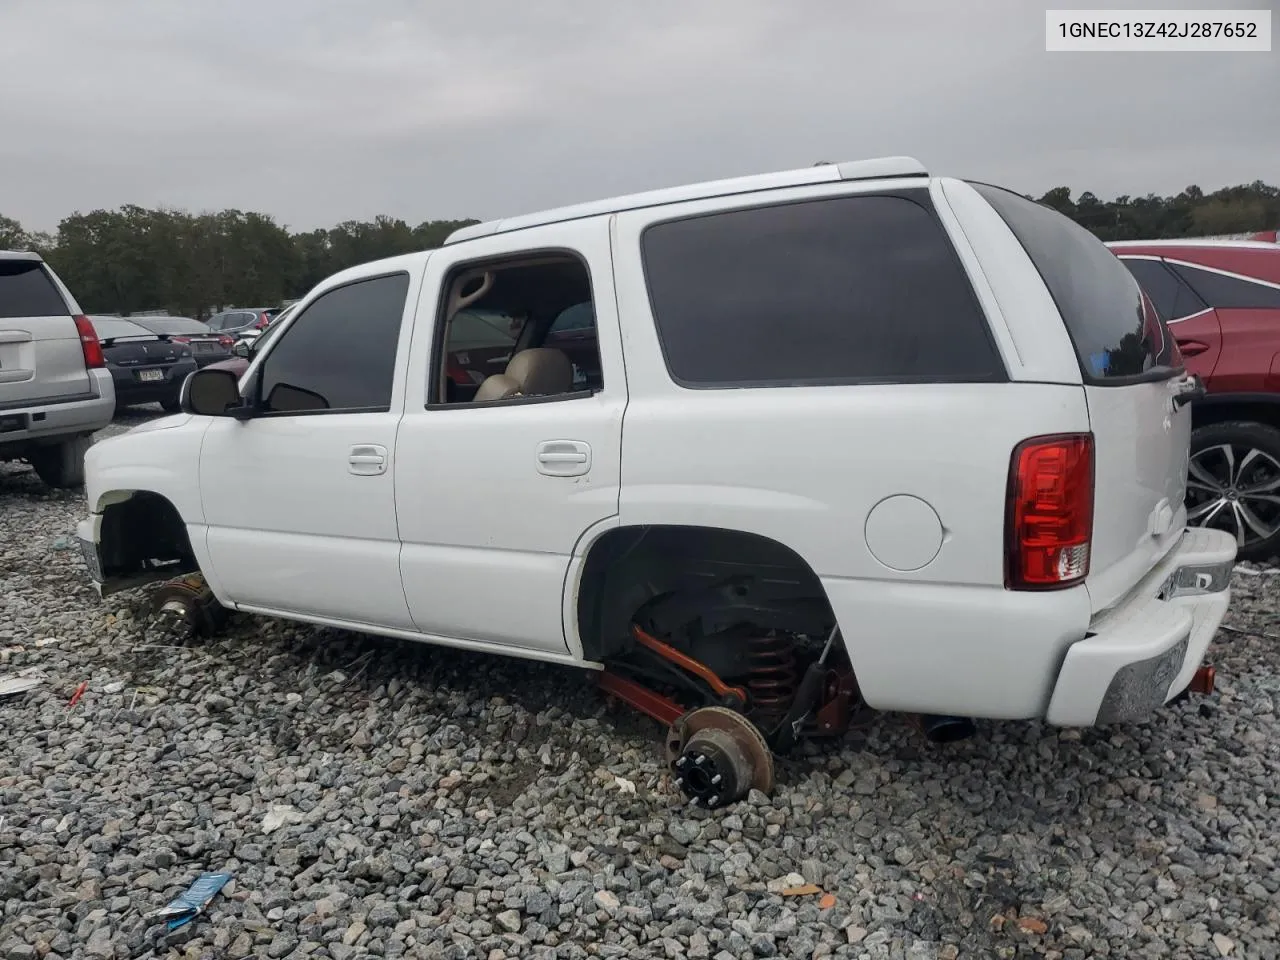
(847, 436)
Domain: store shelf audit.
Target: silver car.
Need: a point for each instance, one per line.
(55, 390)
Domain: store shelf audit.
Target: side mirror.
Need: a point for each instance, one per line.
(210, 393)
(240, 348)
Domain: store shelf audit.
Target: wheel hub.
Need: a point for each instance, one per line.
(185, 608)
(717, 756)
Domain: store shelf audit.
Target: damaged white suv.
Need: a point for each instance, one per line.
(760, 452)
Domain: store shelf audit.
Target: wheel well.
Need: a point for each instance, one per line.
(1258, 411)
(144, 534)
(629, 566)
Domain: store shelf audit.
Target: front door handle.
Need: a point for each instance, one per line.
(367, 460)
(564, 458)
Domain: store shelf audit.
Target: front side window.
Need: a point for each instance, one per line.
(340, 353)
(860, 289)
(1116, 332)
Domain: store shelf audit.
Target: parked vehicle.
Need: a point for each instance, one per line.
(55, 390)
(146, 367)
(1221, 301)
(242, 320)
(852, 436)
(206, 346)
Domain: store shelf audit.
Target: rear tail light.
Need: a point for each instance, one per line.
(1050, 512)
(226, 341)
(180, 339)
(90, 346)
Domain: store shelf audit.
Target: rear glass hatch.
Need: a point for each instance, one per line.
(1131, 368)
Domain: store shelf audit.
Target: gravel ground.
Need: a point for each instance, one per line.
(427, 803)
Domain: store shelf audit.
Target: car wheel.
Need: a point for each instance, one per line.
(61, 466)
(1233, 484)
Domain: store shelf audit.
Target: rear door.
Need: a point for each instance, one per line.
(1132, 371)
(41, 357)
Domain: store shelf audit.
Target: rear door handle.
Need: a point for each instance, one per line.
(367, 460)
(1192, 348)
(564, 458)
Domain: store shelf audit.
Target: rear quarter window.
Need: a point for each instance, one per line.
(862, 289)
(1117, 334)
(1229, 293)
(26, 290)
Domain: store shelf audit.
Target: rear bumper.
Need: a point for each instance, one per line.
(129, 389)
(50, 421)
(1144, 652)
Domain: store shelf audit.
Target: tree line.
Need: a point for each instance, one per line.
(134, 259)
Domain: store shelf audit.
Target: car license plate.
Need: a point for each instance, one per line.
(150, 376)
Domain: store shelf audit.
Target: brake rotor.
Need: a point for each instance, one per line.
(717, 756)
(186, 608)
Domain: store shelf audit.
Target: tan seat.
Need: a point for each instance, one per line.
(537, 372)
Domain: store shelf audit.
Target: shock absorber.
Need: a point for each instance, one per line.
(773, 674)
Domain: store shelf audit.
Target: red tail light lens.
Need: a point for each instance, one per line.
(1050, 512)
(226, 341)
(180, 339)
(90, 346)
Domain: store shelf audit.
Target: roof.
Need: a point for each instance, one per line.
(1192, 242)
(20, 255)
(878, 168)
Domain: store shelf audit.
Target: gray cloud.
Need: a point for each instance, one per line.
(322, 110)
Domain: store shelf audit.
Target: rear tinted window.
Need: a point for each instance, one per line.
(172, 325)
(1116, 333)
(1229, 293)
(1173, 299)
(109, 328)
(844, 290)
(27, 291)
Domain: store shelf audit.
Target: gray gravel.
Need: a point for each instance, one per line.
(374, 798)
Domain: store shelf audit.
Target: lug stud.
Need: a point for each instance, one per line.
(715, 781)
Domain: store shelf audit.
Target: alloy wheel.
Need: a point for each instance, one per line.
(1235, 488)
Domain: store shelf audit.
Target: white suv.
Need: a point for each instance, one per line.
(55, 389)
(761, 452)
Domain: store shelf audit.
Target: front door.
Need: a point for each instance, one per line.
(299, 499)
(494, 496)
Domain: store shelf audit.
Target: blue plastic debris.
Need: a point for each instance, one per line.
(182, 910)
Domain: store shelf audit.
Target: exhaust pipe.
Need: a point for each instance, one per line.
(945, 729)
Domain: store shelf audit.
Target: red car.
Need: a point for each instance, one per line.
(1221, 300)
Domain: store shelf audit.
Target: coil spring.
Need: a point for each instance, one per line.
(774, 675)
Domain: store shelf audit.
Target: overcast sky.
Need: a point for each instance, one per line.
(317, 111)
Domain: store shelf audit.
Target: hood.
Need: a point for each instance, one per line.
(163, 423)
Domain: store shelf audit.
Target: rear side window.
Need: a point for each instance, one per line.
(1173, 299)
(27, 291)
(1117, 334)
(844, 290)
(340, 353)
(1229, 293)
